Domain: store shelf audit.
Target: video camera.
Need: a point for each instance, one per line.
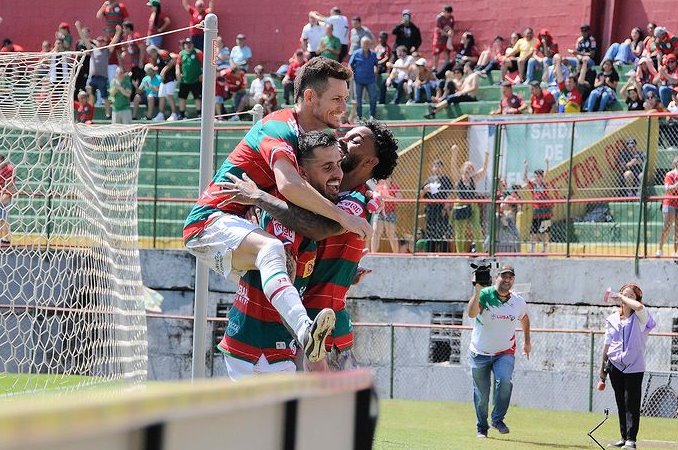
(482, 272)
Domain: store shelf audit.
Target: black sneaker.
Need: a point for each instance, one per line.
(501, 427)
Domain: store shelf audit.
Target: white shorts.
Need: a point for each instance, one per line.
(111, 71)
(238, 369)
(669, 210)
(167, 89)
(214, 244)
(122, 117)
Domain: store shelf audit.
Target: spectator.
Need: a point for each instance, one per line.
(59, 67)
(158, 22)
(407, 34)
(466, 216)
(604, 93)
(198, 14)
(64, 33)
(652, 103)
(7, 191)
(541, 100)
(269, 97)
(400, 73)
(223, 55)
(45, 47)
(508, 236)
(466, 92)
(8, 46)
(364, 65)
(665, 43)
(330, 45)
(121, 91)
(670, 208)
(645, 75)
(629, 51)
(543, 54)
(561, 65)
(256, 92)
(510, 103)
(650, 49)
(291, 75)
(523, 50)
(468, 53)
(542, 209)
(570, 98)
(383, 51)
(385, 221)
(442, 35)
(84, 106)
(631, 162)
(424, 80)
(491, 58)
(147, 93)
(630, 94)
(667, 78)
(188, 73)
(437, 187)
(340, 29)
(673, 106)
(311, 35)
(509, 67)
(83, 73)
(241, 53)
(585, 46)
(237, 87)
(166, 64)
(134, 52)
(114, 14)
(358, 31)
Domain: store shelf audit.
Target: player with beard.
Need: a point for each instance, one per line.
(217, 232)
(372, 153)
(256, 340)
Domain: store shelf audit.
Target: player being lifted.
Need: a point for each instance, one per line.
(217, 232)
(372, 153)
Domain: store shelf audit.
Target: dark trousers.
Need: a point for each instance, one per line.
(627, 392)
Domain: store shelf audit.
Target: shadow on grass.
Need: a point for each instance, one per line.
(541, 444)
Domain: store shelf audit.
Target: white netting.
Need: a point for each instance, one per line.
(71, 305)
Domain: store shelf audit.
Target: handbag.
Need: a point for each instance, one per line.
(462, 212)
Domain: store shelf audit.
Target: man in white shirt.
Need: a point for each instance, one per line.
(340, 28)
(493, 344)
(257, 85)
(311, 35)
(400, 73)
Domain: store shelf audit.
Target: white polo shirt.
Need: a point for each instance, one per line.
(494, 328)
(314, 33)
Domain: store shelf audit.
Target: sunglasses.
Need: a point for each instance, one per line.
(651, 97)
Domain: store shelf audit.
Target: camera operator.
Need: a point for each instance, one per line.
(493, 343)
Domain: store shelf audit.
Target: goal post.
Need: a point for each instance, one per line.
(71, 299)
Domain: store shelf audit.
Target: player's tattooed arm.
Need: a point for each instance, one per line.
(302, 221)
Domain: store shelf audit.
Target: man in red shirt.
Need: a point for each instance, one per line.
(541, 101)
(7, 189)
(443, 31)
(510, 103)
(670, 209)
(197, 13)
(236, 84)
(288, 81)
(113, 13)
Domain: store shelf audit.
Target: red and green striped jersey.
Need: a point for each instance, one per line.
(335, 268)
(270, 139)
(254, 326)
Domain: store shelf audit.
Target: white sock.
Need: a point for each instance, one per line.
(278, 288)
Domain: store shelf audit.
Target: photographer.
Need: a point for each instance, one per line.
(626, 333)
(493, 343)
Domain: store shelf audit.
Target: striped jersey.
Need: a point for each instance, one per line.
(543, 209)
(335, 268)
(270, 139)
(255, 328)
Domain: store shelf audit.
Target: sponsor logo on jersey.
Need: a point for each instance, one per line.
(510, 317)
(280, 346)
(282, 232)
(308, 268)
(351, 206)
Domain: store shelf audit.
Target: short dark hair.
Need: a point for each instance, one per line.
(311, 140)
(387, 149)
(128, 24)
(447, 8)
(315, 74)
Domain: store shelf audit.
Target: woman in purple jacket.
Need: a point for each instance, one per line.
(626, 333)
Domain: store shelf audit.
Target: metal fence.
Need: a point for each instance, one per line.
(475, 186)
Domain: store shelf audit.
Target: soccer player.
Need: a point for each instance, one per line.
(371, 154)
(256, 340)
(217, 232)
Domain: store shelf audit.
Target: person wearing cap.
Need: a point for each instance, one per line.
(340, 29)
(541, 100)
(158, 22)
(424, 80)
(114, 14)
(495, 311)
(632, 97)
(510, 103)
(626, 332)
(667, 77)
(358, 31)
(443, 33)
(665, 43)
(147, 93)
(364, 66)
(542, 209)
(630, 162)
(407, 33)
(311, 35)
(188, 72)
(197, 14)
(400, 73)
(330, 45)
(241, 53)
(64, 33)
(466, 86)
(584, 46)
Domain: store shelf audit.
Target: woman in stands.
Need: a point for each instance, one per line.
(629, 51)
(492, 57)
(604, 93)
(626, 333)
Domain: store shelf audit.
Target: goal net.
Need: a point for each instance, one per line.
(71, 300)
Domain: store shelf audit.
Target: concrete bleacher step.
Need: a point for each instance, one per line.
(629, 212)
(610, 232)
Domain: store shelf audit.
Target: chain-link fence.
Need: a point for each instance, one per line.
(430, 362)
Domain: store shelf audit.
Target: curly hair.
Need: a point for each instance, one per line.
(387, 149)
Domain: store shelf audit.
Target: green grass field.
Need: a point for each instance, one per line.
(13, 384)
(419, 425)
